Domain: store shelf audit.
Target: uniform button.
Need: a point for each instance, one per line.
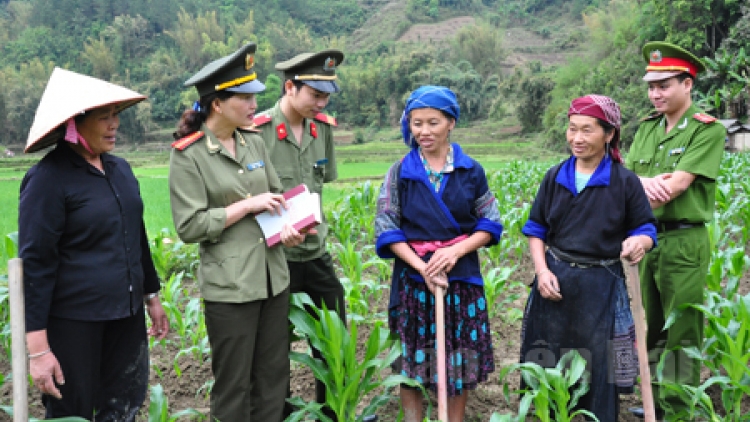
(661, 146)
(260, 240)
(657, 164)
(240, 171)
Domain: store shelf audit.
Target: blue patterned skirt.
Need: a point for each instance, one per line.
(468, 337)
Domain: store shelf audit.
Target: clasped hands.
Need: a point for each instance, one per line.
(435, 271)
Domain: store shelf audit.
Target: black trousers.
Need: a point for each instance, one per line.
(249, 358)
(105, 366)
(318, 279)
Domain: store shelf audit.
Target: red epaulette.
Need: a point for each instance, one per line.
(185, 142)
(261, 119)
(704, 118)
(330, 120)
(652, 116)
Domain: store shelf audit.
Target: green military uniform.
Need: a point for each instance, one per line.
(243, 282)
(674, 273)
(204, 179)
(312, 161)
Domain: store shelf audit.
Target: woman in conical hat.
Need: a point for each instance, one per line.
(88, 273)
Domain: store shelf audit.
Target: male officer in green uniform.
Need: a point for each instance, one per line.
(299, 140)
(676, 153)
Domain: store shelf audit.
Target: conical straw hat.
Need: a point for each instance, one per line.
(68, 94)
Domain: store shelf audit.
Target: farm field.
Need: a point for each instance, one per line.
(181, 364)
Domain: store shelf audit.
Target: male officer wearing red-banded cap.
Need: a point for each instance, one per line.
(299, 140)
(676, 153)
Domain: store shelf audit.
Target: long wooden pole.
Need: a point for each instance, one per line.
(442, 395)
(18, 338)
(633, 282)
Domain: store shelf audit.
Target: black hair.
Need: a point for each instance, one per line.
(191, 120)
(608, 127)
(684, 75)
(297, 84)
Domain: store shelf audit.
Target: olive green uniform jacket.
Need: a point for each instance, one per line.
(312, 162)
(203, 180)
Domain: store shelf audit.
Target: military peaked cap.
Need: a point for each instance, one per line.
(232, 73)
(667, 60)
(317, 70)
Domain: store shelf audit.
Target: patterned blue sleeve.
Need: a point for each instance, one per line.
(388, 218)
(489, 217)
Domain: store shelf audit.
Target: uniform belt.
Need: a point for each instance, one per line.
(665, 226)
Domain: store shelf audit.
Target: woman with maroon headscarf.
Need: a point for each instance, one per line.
(589, 212)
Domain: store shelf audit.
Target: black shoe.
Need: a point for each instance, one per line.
(639, 413)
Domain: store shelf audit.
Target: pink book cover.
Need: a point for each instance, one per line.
(303, 214)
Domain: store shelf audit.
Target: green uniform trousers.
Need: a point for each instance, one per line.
(249, 358)
(674, 274)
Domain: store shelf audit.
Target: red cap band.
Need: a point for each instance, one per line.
(671, 64)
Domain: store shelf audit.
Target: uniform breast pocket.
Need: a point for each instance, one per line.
(319, 176)
(286, 176)
(673, 158)
(642, 165)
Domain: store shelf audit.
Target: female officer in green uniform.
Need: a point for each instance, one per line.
(676, 153)
(219, 178)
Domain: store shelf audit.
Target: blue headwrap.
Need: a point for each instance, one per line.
(428, 96)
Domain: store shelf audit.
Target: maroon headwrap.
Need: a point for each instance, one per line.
(603, 108)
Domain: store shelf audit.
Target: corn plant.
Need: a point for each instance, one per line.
(347, 380)
(497, 286)
(158, 409)
(549, 389)
(725, 352)
(360, 291)
(171, 256)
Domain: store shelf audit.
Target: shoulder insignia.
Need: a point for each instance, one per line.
(330, 120)
(704, 118)
(261, 119)
(313, 130)
(652, 116)
(185, 142)
(281, 131)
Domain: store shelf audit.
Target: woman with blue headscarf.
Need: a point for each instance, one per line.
(435, 210)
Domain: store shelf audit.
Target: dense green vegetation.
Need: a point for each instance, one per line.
(153, 46)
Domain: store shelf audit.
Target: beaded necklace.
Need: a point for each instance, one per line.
(436, 177)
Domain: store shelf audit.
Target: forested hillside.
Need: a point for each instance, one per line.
(581, 46)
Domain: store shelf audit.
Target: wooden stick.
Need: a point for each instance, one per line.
(633, 281)
(442, 395)
(18, 338)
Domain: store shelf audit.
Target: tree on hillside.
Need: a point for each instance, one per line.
(193, 33)
(481, 45)
(698, 25)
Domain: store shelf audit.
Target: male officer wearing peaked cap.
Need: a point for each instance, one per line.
(299, 140)
(676, 153)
